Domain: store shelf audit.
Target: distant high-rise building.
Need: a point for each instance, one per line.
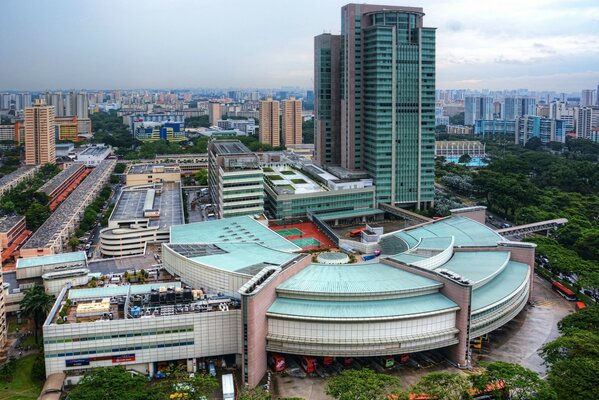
(40, 145)
(597, 95)
(270, 127)
(291, 109)
(518, 106)
(586, 99)
(477, 107)
(386, 63)
(547, 130)
(584, 122)
(82, 106)
(214, 114)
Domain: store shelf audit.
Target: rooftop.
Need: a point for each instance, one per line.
(285, 177)
(503, 285)
(117, 290)
(8, 221)
(55, 223)
(165, 197)
(151, 168)
(348, 214)
(363, 310)
(244, 229)
(354, 279)
(467, 232)
(61, 178)
(61, 258)
(6, 179)
(225, 147)
(477, 266)
(94, 151)
(245, 258)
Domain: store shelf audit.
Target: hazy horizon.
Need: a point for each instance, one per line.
(185, 44)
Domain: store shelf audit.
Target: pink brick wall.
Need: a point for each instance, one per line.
(257, 324)
(477, 215)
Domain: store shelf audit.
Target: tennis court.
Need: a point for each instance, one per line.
(290, 232)
(306, 242)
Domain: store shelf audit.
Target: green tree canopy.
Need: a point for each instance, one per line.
(443, 386)
(256, 393)
(362, 384)
(586, 319)
(106, 383)
(36, 304)
(520, 382)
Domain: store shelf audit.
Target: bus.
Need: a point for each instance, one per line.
(563, 291)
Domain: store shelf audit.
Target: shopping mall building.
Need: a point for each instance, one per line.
(436, 285)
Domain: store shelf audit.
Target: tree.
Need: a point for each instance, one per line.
(521, 383)
(119, 168)
(104, 383)
(574, 344)
(464, 159)
(442, 386)
(36, 304)
(575, 379)
(586, 319)
(256, 393)
(362, 384)
(201, 177)
(73, 243)
(36, 215)
(457, 119)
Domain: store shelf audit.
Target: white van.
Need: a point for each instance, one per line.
(228, 387)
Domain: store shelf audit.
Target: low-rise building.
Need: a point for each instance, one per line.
(235, 179)
(11, 227)
(492, 127)
(143, 174)
(154, 131)
(459, 129)
(55, 270)
(9, 181)
(53, 235)
(94, 155)
(454, 149)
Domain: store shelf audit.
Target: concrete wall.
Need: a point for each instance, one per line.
(477, 214)
(257, 324)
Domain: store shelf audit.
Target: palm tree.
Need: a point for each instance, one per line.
(36, 304)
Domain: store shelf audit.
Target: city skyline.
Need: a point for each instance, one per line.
(117, 45)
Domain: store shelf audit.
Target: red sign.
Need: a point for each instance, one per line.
(123, 358)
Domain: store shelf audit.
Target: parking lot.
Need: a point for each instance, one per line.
(516, 342)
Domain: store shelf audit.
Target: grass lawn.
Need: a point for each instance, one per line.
(22, 386)
(268, 169)
(12, 325)
(288, 172)
(274, 177)
(298, 181)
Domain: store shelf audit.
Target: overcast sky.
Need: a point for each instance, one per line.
(494, 44)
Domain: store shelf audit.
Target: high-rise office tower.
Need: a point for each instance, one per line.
(584, 122)
(291, 109)
(214, 113)
(270, 126)
(386, 63)
(40, 145)
(82, 105)
(327, 101)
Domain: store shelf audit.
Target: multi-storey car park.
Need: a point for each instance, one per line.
(143, 214)
(436, 285)
(51, 237)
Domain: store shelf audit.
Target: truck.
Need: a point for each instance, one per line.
(308, 364)
(277, 362)
(228, 387)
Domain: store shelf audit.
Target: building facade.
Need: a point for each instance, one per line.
(235, 179)
(513, 107)
(547, 130)
(386, 114)
(39, 134)
(67, 128)
(291, 110)
(270, 126)
(584, 122)
(477, 107)
(492, 127)
(214, 113)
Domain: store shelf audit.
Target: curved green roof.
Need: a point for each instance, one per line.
(466, 231)
(246, 258)
(235, 230)
(61, 258)
(504, 284)
(477, 265)
(401, 307)
(355, 278)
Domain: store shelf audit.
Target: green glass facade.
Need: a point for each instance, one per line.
(387, 101)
